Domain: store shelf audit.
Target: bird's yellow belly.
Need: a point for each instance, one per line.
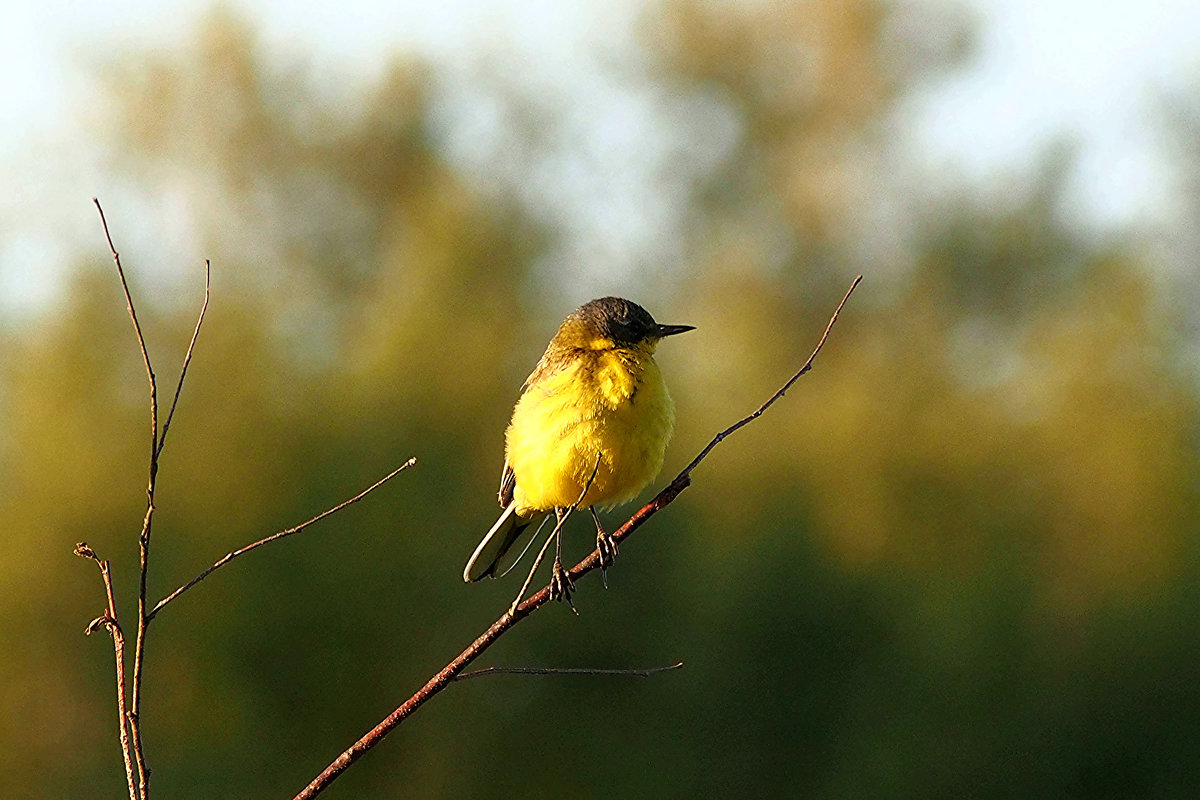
(560, 431)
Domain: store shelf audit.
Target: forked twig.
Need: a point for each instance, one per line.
(512, 616)
(220, 562)
(157, 442)
(129, 707)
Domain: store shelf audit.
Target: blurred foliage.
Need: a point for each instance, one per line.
(958, 559)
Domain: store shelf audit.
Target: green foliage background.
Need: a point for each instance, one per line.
(957, 560)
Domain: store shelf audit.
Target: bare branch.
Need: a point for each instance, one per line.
(136, 770)
(511, 617)
(636, 673)
(267, 540)
(109, 620)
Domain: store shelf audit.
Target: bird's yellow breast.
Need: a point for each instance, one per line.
(610, 405)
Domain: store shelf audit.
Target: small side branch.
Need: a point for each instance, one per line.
(187, 358)
(451, 671)
(556, 535)
(267, 540)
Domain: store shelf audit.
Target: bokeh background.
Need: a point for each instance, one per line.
(959, 559)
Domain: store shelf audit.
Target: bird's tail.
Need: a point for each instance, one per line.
(498, 551)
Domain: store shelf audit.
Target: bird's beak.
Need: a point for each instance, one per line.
(671, 330)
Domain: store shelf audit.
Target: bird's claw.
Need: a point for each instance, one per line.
(561, 585)
(607, 546)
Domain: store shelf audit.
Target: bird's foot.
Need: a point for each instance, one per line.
(561, 585)
(607, 546)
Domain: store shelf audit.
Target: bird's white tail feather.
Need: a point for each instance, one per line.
(499, 542)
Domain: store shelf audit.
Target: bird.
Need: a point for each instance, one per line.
(590, 429)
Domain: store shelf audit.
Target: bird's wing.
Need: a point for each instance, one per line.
(552, 362)
(508, 482)
(546, 368)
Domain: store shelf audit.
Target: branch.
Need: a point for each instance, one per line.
(109, 620)
(637, 673)
(267, 540)
(510, 618)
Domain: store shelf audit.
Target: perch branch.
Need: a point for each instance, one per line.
(225, 559)
(512, 616)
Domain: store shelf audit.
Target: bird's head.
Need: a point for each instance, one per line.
(613, 323)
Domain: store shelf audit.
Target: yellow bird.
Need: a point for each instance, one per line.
(595, 405)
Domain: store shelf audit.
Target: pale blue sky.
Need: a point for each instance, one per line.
(1094, 70)
(1044, 68)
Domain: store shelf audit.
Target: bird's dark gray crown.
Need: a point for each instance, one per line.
(621, 320)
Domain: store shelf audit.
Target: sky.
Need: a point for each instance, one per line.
(1094, 72)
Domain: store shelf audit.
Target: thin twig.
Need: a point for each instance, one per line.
(137, 327)
(109, 620)
(720, 437)
(537, 562)
(556, 534)
(636, 673)
(187, 359)
(267, 540)
(511, 617)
